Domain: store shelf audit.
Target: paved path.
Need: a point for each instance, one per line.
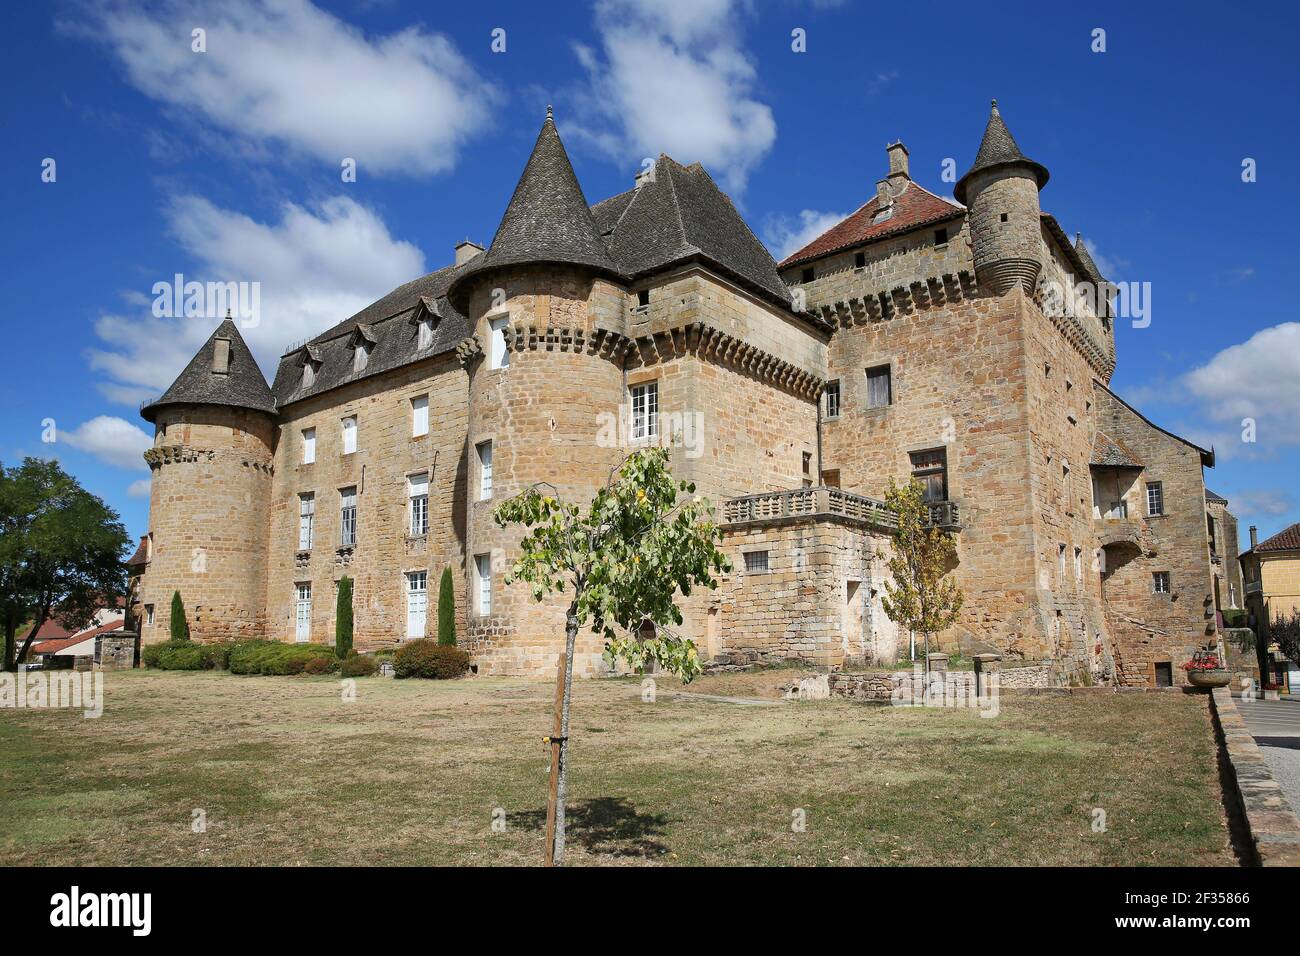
(1275, 725)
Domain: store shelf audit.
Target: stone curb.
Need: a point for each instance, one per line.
(1274, 829)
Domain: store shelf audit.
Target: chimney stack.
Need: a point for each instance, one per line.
(466, 251)
(1254, 538)
(897, 164)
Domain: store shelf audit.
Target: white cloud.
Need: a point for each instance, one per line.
(316, 267)
(283, 73)
(1257, 379)
(140, 489)
(112, 440)
(671, 77)
(787, 234)
(1265, 502)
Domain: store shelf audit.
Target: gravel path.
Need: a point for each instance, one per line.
(1285, 764)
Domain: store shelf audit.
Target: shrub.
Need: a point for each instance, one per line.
(1234, 617)
(320, 665)
(446, 610)
(359, 665)
(178, 626)
(276, 658)
(424, 658)
(343, 618)
(187, 656)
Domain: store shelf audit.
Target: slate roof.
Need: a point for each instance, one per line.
(391, 323)
(679, 214)
(1288, 539)
(998, 148)
(1081, 250)
(1217, 499)
(1108, 452)
(242, 386)
(914, 207)
(548, 219)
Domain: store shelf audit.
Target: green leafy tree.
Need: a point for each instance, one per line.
(343, 618)
(178, 626)
(61, 551)
(446, 610)
(918, 597)
(644, 539)
(1285, 632)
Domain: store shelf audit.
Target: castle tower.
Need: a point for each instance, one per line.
(1001, 192)
(210, 494)
(545, 309)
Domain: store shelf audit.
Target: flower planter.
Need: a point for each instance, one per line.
(1210, 677)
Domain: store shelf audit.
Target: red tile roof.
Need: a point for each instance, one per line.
(913, 208)
(53, 646)
(1288, 539)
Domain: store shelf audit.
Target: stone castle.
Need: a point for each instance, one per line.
(956, 342)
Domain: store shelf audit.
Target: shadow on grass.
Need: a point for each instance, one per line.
(608, 825)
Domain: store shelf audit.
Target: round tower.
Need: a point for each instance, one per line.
(210, 495)
(1001, 192)
(544, 306)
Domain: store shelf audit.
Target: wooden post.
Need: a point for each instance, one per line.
(557, 743)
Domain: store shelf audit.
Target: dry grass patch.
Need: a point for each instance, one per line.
(411, 773)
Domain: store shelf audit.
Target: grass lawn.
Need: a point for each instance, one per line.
(411, 773)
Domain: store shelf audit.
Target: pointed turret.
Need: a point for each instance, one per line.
(548, 219)
(998, 149)
(222, 372)
(1001, 193)
(1081, 250)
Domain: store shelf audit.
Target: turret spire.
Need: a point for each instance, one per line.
(997, 149)
(222, 372)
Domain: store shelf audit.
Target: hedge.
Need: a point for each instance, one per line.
(187, 656)
(277, 658)
(424, 658)
(358, 665)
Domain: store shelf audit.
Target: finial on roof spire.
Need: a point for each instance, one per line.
(550, 113)
(227, 311)
(995, 104)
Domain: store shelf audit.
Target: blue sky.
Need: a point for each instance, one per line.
(226, 165)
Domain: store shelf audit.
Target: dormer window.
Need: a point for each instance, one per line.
(360, 356)
(424, 333)
(308, 373)
(221, 356)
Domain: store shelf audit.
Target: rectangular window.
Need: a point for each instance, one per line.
(306, 520)
(348, 517)
(417, 490)
(645, 411)
(940, 237)
(349, 434)
(308, 374)
(424, 334)
(1060, 561)
(930, 468)
(859, 260)
(807, 469)
(417, 603)
(1209, 527)
(808, 275)
(880, 387)
(360, 358)
(1078, 564)
(484, 470)
(148, 613)
(1160, 582)
(483, 565)
(419, 416)
(755, 562)
(221, 356)
(1155, 498)
(833, 399)
(498, 356)
(308, 445)
(302, 617)
(643, 299)
(1164, 673)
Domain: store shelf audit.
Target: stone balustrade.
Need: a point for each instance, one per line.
(781, 506)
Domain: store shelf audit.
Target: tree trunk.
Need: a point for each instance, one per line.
(1261, 658)
(570, 640)
(31, 635)
(11, 634)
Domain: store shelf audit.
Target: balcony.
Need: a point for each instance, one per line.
(781, 506)
(1254, 587)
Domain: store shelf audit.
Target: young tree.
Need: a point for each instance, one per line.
(178, 627)
(446, 610)
(343, 618)
(918, 598)
(61, 551)
(1285, 632)
(642, 540)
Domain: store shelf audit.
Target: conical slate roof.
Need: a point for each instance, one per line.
(548, 219)
(241, 386)
(1085, 257)
(998, 148)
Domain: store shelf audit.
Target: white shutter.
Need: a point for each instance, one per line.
(484, 563)
(302, 632)
(349, 435)
(308, 445)
(417, 603)
(500, 358)
(419, 416)
(484, 470)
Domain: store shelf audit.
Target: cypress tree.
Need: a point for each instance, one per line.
(343, 619)
(178, 626)
(446, 610)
